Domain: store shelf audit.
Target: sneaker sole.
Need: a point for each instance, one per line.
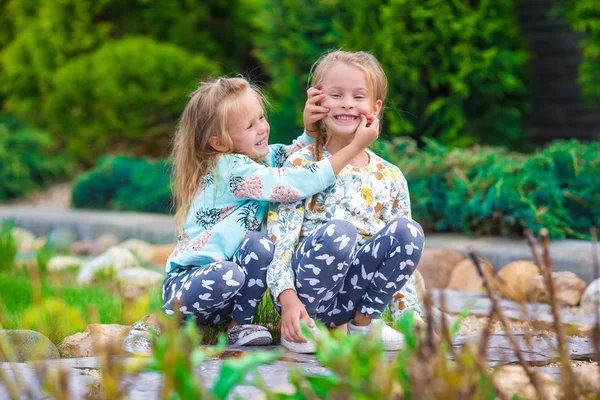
(255, 339)
(302, 348)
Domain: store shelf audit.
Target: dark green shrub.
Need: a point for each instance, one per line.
(27, 162)
(39, 37)
(126, 96)
(458, 70)
(583, 16)
(484, 190)
(125, 183)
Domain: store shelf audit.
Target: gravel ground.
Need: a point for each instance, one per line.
(58, 197)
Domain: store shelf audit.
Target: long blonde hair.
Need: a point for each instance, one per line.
(376, 81)
(205, 115)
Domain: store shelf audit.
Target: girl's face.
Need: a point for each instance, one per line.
(348, 97)
(248, 127)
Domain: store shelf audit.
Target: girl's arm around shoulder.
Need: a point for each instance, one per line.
(279, 153)
(251, 180)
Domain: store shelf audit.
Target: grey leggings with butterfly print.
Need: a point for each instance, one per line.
(223, 290)
(335, 277)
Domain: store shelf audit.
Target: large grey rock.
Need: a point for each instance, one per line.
(116, 258)
(29, 345)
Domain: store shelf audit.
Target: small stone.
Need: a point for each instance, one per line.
(160, 253)
(512, 380)
(515, 280)
(436, 266)
(59, 263)
(116, 258)
(591, 295)
(588, 379)
(104, 242)
(29, 346)
(143, 250)
(569, 288)
(95, 337)
(83, 247)
(61, 239)
(466, 278)
(139, 277)
(24, 239)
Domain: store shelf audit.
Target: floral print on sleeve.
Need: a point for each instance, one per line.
(251, 180)
(284, 224)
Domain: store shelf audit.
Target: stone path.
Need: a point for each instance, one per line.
(568, 255)
(480, 305)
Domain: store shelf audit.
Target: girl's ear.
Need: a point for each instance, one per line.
(216, 144)
(378, 105)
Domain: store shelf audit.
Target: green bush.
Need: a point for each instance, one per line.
(126, 96)
(486, 190)
(477, 191)
(38, 38)
(458, 70)
(27, 162)
(125, 183)
(583, 16)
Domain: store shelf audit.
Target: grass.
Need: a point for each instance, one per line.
(21, 296)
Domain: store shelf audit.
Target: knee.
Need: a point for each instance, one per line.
(338, 228)
(232, 274)
(259, 243)
(407, 232)
(339, 237)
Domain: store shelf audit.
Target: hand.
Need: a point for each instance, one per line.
(367, 131)
(313, 112)
(292, 310)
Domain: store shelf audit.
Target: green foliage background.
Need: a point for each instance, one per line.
(583, 16)
(109, 76)
(102, 77)
(480, 190)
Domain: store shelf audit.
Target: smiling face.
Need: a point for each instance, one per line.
(348, 96)
(248, 127)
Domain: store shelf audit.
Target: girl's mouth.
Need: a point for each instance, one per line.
(345, 118)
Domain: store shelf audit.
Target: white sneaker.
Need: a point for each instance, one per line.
(391, 338)
(307, 347)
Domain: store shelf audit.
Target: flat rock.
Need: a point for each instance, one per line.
(543, 350)
(32, 382)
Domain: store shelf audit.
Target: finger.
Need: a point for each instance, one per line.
(316, 98)
(313, 92)
(298, 332)
(318, 109)
(375, 122)
(309, 321)
(363, 121)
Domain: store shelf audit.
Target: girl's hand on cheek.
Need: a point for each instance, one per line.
(367, 131)
(313, 112)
